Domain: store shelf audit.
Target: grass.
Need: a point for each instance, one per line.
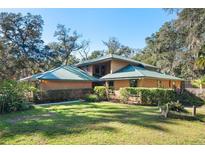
(99, 123)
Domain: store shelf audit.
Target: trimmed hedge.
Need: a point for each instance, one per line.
(159, 96)
(149, 96)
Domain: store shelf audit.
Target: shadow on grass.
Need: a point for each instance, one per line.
(79, 118)
(186, 116)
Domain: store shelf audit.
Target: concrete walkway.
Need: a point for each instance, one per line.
(60, 103)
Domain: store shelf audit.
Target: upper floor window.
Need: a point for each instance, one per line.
(97, 69)
(100, 70)
(103, 70)
(86, 68)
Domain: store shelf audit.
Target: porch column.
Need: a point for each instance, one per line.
(106, 84)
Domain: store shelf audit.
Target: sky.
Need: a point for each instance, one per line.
(129, 26)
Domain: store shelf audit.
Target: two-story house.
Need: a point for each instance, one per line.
(72, 82)
(118, 71)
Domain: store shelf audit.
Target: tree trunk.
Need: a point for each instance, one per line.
(167, 111)
(194, 110)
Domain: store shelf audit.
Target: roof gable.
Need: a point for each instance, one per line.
(66, 72)
(131, 71)
(129, 68)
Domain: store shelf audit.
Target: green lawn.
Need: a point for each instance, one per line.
(99, 123)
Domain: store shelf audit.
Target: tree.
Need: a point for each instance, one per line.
(85, 51)
(199, 83)
(73, 60)
(56, 59)
(96, 54)
(112, 45)
(201, 62)
(190, 23)
(115, 47)
(126, 51)
(162, 48)
(67, 43)
(22, 43)
(175, 48)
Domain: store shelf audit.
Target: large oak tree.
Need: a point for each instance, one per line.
(23, 50)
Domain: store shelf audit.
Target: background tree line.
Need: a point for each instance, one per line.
(178, 48)
(23, 52)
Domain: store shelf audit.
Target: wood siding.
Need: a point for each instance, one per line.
(116, 65)
(57, 85)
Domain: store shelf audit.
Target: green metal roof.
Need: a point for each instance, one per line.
(132, 72)
(67, 72)
(111, 57)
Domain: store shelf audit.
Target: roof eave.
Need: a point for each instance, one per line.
(91, 80)
(94, 62)
(116, 58)
(137, 77)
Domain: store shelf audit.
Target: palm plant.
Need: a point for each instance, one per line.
(199, 83)
(201, 62)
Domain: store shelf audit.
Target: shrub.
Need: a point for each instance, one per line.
(91, 98)
(149, 96)
(111, 90)
(124, 94)
(100, 91)
(160, 96)
(176, 106)
(12, 96)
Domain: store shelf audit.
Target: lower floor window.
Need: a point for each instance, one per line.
(170, 83)
(159, 83)
(111, 83)
(133, 83)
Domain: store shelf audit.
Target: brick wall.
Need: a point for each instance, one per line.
(60, 95)
(148, 83)
(57, 85)
(121, 83)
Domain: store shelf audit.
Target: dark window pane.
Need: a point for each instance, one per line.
(97, 69)
(133, 83)
(111, 83)
(103, 70)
